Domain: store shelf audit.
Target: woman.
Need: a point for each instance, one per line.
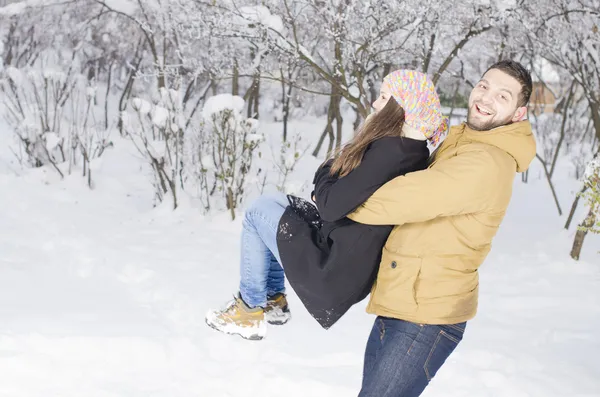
(329, 260)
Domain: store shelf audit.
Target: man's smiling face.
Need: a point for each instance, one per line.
(494, 101)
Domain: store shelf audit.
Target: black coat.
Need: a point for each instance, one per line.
(329, 260)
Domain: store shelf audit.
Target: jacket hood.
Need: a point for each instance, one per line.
(516, 139)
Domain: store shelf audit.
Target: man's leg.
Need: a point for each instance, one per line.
(403, 358)
(261, 274)
(373, 346)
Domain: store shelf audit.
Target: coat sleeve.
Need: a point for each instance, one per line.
(321, 172)
(337, 197)
(463, 184)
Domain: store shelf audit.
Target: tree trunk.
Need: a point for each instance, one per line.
(372, 91)
(284, 109)
(331, 141)
(453, 105)
(235, 82)
(587, 223)
(595, 109)
(285, 103)
(213, 85)
(110, 68)
(257, 98)
(387, 67)
(574, 208)
(456, 50)
(562, 129)
(231, 203)
(328, 131)
(127, 92)
(338, 121)
(549, 178)
(251, 96)
(357, 121)
(429, 54)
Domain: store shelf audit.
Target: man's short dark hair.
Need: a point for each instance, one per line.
(522, 75)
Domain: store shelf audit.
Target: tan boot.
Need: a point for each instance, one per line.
(239, 319)
(277, 311)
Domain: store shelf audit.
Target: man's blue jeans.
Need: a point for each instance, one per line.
(260, 265)
(402, 357)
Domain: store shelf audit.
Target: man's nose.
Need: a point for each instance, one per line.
(486, 97)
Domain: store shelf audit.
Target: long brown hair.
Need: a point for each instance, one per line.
(387, 122)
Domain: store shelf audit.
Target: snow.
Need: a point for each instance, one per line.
(252, 125)
(306, 53)
(52, 140)
(22, 5)
(160, 117)
(262, 15)
(593, 168)
(13, 9)
(141, 105)
(254, 138)
(505, 5)
(128, 7)
(354, 91)
(157, 148)
(54, 75)
(544, 71)
(221, 102)
(589, 46)
(90, 92)
(15, 75)
(173, 96)
(207, 162)
(102, 295)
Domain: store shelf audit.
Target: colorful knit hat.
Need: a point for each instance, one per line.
(416, 94)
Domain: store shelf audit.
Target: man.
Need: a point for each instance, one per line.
(445, 218)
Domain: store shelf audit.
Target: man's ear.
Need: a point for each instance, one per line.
(520, 114)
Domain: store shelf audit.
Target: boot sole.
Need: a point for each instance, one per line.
(279, 320)
(251, 337)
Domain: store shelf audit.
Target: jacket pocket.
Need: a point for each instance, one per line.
(396, 282)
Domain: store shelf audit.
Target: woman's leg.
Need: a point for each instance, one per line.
(261, 274)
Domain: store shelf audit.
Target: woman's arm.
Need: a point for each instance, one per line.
(384, 160)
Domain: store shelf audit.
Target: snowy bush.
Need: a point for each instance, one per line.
(228, 142)
(34, 106)
(156, 131)
(211, 154)
(290, 154)
(53, 116)
(87, 135)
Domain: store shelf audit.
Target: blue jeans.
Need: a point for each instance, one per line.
(401, 357)
(260, 269)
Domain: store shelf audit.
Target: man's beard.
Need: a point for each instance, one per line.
(489, 125)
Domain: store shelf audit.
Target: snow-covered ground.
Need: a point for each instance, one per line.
(103, 295)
